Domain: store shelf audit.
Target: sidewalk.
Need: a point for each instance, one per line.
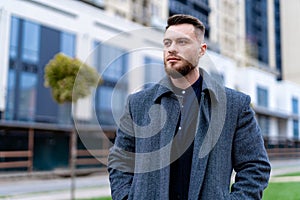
(97, 185)
(55, 188)
(81, 193)
(284, 166)
(280, 167)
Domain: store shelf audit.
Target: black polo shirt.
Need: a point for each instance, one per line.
(183, 143)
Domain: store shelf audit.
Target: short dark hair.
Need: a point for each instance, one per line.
(185, 19)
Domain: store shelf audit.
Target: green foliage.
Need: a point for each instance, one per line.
(279, 191)
(70, 79)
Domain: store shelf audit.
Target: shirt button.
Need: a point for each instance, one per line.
(179, 128)
(183, 91)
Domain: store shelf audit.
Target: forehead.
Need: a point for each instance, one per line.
(181, 30)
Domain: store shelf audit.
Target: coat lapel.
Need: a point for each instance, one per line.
(199, 164)
(211, 119)
(167, 135)
(210, 122)
(165, 97)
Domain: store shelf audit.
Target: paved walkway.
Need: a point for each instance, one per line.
(81, 193)
(97, 185)
(280, 167)
(285, 179)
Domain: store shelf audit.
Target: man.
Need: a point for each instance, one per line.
(183, 137)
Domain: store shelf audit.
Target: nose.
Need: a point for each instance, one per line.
(172, 49)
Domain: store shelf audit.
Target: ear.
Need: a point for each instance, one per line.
(203, 49)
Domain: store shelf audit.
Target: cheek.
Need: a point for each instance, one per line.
(193, 57)
(191, 54)
(165, 53)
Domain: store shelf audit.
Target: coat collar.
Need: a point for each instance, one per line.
(209, 85)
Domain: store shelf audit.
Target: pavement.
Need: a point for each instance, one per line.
(42, 187)
(39, 187)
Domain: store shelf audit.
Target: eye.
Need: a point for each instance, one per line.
(182, 41)
(167, 43)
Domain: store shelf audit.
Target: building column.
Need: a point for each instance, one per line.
(4, 55)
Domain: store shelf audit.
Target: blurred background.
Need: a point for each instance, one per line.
(253, 46)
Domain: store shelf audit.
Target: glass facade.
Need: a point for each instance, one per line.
(295, 110)
(199, 9)
(295, 106)
(23, 69)
(257, 29)
(112, 64)
(277, 38)
(154, 71)
(264, 123)
(67, 43)
(296, 129)
(31, 46)
(30, 50)
(262, 100)
(262, 97)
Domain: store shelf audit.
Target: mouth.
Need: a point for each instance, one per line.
(172, 59)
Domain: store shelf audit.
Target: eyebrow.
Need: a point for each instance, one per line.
(180, 38)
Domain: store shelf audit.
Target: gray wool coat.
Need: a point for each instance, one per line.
(227, 138)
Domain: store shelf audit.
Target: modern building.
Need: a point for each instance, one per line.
(199, 9)
(257, 30)
(271, 36)
(289, 39)
(227, 28)
(259, 35)
(145, 12)
(32, 124)
(35, 131)
(276, 103)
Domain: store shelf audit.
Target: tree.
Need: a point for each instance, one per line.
(61, 73)
(70, 80)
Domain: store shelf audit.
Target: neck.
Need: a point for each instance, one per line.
(187, 80)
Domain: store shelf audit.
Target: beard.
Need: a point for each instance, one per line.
(180, 72)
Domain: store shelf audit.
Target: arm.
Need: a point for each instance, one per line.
(121, 158)
(250, 160)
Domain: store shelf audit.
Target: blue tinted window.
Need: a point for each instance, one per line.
(67, 44)
(296, 129)
(112, 64)
(262, 97)
(22, 79)
(257, 29)
(295, 106)
(31, 42)
(10, 97)
(27, 96)
(264, 123)
(14, 37)
(105, 95)
(154, 70)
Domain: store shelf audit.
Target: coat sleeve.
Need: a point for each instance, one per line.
(250, 160)
(121, 158)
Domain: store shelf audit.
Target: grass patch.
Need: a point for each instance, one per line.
(279, 191)
(275, 191)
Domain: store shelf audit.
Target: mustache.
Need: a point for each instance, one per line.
(174, 57)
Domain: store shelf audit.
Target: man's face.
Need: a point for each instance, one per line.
(182, 50)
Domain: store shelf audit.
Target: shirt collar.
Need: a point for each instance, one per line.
(208, 85)
(194, 87)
